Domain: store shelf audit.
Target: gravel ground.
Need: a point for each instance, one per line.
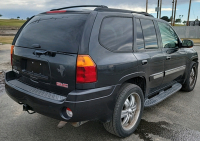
(176, 118)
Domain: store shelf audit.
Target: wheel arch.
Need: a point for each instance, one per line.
(138, 79)
(195, 60)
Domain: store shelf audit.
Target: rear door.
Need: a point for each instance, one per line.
(175, 57)
(46, 50)
(150, 56)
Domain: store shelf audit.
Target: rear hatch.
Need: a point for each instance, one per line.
(46, 50)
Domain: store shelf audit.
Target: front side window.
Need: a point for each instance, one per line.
(117, 34)
(149, 33)
(169, 37)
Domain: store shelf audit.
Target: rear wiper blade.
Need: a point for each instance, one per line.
(44, 52)
(40, 52)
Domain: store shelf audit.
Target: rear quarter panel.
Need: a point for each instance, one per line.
(112, 67)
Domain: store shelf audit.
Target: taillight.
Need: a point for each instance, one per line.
(86, 71)
(11, 53)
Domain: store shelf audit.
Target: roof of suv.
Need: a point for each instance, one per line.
(99, 8)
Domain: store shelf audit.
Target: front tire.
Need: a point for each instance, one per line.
(191, 78)
(128, 111)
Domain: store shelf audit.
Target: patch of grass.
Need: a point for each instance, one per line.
(6, 39)
(197, 41)
(11, 23)
(179, 25)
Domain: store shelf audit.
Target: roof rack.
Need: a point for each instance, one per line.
(121, 10)
(102, 6)
(143, 13)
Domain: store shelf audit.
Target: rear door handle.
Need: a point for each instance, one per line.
(168, 57)
(144, 62)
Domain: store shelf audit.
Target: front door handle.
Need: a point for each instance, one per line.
(168, 57)
(144, 62)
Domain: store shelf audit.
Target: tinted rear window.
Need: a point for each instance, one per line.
(60, 32)
(117, 34)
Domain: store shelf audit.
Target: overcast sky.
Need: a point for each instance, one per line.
(28, 8)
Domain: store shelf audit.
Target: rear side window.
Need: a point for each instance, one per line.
(117, 34)
(59, 32)
(149, 33)
(140, 37)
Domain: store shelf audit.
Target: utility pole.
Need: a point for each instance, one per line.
(175, 12)
(172, 13)
(160, 8)
(146, 6)
(189, 13)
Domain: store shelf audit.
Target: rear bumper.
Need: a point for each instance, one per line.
(93, 104)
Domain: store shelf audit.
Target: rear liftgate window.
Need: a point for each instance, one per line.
(60, 32)
(117, 34)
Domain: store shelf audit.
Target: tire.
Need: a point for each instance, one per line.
(189, 82)
(131, 108)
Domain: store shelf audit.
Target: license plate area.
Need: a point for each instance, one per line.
(36, 70)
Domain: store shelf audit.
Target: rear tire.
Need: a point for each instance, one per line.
(191, 78)
(128, 111)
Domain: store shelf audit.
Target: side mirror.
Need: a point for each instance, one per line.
(187, 43)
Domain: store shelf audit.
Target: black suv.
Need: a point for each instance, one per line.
(103, 64)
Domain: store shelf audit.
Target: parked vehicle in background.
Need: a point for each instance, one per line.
(103, 64)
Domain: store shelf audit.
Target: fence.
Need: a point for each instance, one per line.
(188, 31)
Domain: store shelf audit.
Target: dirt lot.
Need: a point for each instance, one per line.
(176, 118)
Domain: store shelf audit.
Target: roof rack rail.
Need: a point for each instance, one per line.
(121, 10)
(143, 13)
(101, 6)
